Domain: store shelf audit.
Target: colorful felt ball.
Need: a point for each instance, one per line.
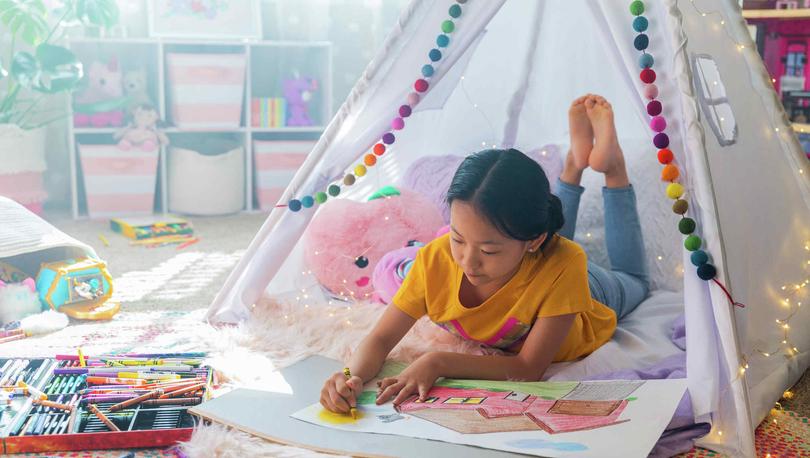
(654, 108)
(686, 226)
(647, 75)
(674, 190)
(370, 160)
(388, 138)
(435, 55)
(333, 190)
(455, 11)
(665, 156)
(421, 85)
(646, 60)
(427, 70)
(692, 242)
(405, 111)
(442, 41)
(640, 24)
(706, 272)
(650, 91)
(349, 180)
(294, 205)
(448, 26)
(680, 206)
(320, 197)
(670, 173)
(397, 124)
(461, 1)
(637, 8)
(307, 201)
(658, 123)
(379, 149)
(699, 257)
(661, 140)
(360, 170)
(413, 99)
(641, 42)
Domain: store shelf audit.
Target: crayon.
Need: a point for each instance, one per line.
(113, 381)
(82, 362)
(51, 388)
(172, 402)
(352, 409)
(148, 375)
(33, 392)
(11, 332)
(12, 338)
(131, 402)
(182, 391)
(102, 417)
(104, 240)
(53, 405)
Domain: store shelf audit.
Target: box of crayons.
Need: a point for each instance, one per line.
(70, 403)
(148, 227)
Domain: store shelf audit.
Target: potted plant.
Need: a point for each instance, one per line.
(34, 69)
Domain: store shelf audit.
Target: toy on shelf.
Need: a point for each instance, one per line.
(102, 102)
(142, 132)
(298, 93)
(135, 90)
(268, 112)
(78, 288)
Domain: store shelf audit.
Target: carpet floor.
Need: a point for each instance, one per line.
(164, 293)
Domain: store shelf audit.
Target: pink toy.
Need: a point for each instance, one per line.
(346, 239)
(18, 300)
(103, 87)
(394, 267)
(142, 132)
(298, 93)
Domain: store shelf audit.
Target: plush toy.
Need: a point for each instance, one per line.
(135, 90)
(102, 101)
(142, 132)
(298, 93)
(394, 267)
(431, 175)
(18, 300)
(346, 238)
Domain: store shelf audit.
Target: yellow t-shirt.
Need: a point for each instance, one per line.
(549, 283)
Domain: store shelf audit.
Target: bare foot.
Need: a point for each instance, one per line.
(581, 132)
(606, 155)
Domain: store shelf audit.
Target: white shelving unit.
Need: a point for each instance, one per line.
(267, 63)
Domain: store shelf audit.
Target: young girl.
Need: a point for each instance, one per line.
(504, 277)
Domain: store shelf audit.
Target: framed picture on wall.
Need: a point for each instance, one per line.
(216, 19)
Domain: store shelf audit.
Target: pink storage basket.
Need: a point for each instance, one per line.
(276, 163)
(27, 188)
(206, 90)
(118, 182)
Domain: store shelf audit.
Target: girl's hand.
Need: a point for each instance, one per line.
(418, 378)
(338, 394)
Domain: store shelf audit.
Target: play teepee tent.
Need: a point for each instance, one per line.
(505, 76)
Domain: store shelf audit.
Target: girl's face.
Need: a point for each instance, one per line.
(487, 257)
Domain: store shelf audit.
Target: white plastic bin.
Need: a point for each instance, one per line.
(206, 184)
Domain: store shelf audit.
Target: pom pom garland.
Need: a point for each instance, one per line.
(405, 111)
(707, 272)
(646, 60)
(654, 108)
(640, 24)
(699, 257)
(294, 205)
(379, 149)
(320, 197)
(674, 191)
(686, 226)
(421, 85)
(455, 11)
(398, 124)
(333, 190)
(360, 170)
(641, 42)
(650, 91)
(427, 70)
(388, 138)
(670, 173)
(658, 123)
(442, 41)
(665, 156)
(348, 180)
(692, 242)
(637, 8)
(413, 99)
(647, 75)
(307, 201)
(448, 26)
(434, 55)
(680, 206)
(370, 160)
(661, 140)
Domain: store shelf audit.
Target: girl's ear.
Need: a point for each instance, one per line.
(534, 245)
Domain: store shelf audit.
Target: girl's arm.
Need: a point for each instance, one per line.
(542, 344)
(339, 394)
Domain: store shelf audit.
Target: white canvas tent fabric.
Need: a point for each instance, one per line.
(507, 78)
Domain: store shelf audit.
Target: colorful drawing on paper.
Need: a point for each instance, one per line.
(582, 419)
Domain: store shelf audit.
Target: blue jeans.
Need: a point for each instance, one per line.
(626, 283)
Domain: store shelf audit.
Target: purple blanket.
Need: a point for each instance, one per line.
(682, 430)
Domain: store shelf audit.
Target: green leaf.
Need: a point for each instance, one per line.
(60, 70)
(25, 69)
(25, 18)
(102, 13)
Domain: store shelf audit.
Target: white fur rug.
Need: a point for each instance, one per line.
(279, 335)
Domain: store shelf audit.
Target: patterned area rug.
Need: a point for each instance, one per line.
(783, 434)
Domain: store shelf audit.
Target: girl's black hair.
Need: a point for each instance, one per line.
(511, 191)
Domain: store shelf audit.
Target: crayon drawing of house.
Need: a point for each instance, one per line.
(476, 411)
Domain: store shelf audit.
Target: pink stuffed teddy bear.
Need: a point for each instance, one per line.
(346, 238)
